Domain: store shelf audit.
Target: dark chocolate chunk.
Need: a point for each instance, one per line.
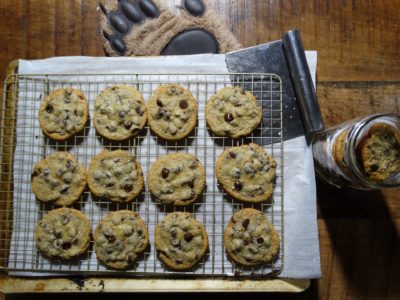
(194, 7)
(237, 174)
(183, 104)
(122, 114)
(260, 240)
(127, 124)
(132, 11)
(178, 261)
(109, 236)
(245, 223)
(228, 117)
(128, 187)
(232, 154)
(35, 173)
(49, 108)
(119, 23)
(64, 190)
(66, 245)
(191, 183)
(149, 8)
(139, 232)
(164, 172)
(139, 111)
(159, 103)
(69, 164)
(65, 219)
(238, 185)
(188, 237)
(374, 168)
(58, 234)
(173, 233)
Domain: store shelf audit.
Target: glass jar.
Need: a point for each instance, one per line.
(363, 153)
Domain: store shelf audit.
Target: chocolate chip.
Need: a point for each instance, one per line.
(374, 168)
(178, 261)
(66, 245)
(260, 240)
(188, 237)
(64, 189)
(139, 232)
(159, 103)
(246, 242)
(58, 234)
(122, 114)
(245, 223)
(110, 184)
(35, 173)
(49, 108)
(191, 183)
(128, 187)
(173, 233)
(228, 117)
(183, 104)
(232, 154)
(69, 164)
(175, 242)
(127, 124)
(164, 172)
(109, 236)
(65, 219)
(237, 174)
(139, 111)
(238, 185)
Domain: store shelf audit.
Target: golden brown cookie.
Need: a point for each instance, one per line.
(233, 112)
(380, 152)
(250, 239)
(63, 233)
(115, 175)
(247, 173)
(59, 179)
(338, 150)
(120, 238)
(172, 112)
(119, 113)
(181, 241)
(63, 113)
(177, 178)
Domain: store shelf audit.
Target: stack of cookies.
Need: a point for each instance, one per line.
(246, 172)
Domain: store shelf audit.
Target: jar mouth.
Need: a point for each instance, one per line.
(356, 137)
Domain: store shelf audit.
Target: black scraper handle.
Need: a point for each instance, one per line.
(302, 82)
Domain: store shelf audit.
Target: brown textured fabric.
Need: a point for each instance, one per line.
(153, 35)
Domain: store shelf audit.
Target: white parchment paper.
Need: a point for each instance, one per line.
(301, 253)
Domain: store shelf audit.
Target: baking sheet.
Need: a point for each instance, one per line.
(301, 239)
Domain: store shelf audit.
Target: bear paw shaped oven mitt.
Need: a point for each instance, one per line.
(145, 27)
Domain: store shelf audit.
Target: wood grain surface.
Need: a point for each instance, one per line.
(358, 44)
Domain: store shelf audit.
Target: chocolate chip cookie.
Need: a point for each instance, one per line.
(181, 241)
(172, 112)
(115, 175)
(63, 113)
(380, 152)
(247, 173)
(58, 178)
(119, 113)
(177, 178)
(119, 238)
(250, 239)
(233, 112)
(63, 233)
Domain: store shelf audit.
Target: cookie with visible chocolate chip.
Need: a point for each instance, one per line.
(63, 113)
(63, 233)
(177, 178)
(115, 175)
(59, 179)
(120, 238)
(247, 173)
(172, 112)
(181, 241)
(250, 239)
(119, 113)
(379, 152)
(233, 112)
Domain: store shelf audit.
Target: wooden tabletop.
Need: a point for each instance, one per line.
(358, 73)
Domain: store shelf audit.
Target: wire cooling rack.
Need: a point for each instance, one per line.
(23, 144)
